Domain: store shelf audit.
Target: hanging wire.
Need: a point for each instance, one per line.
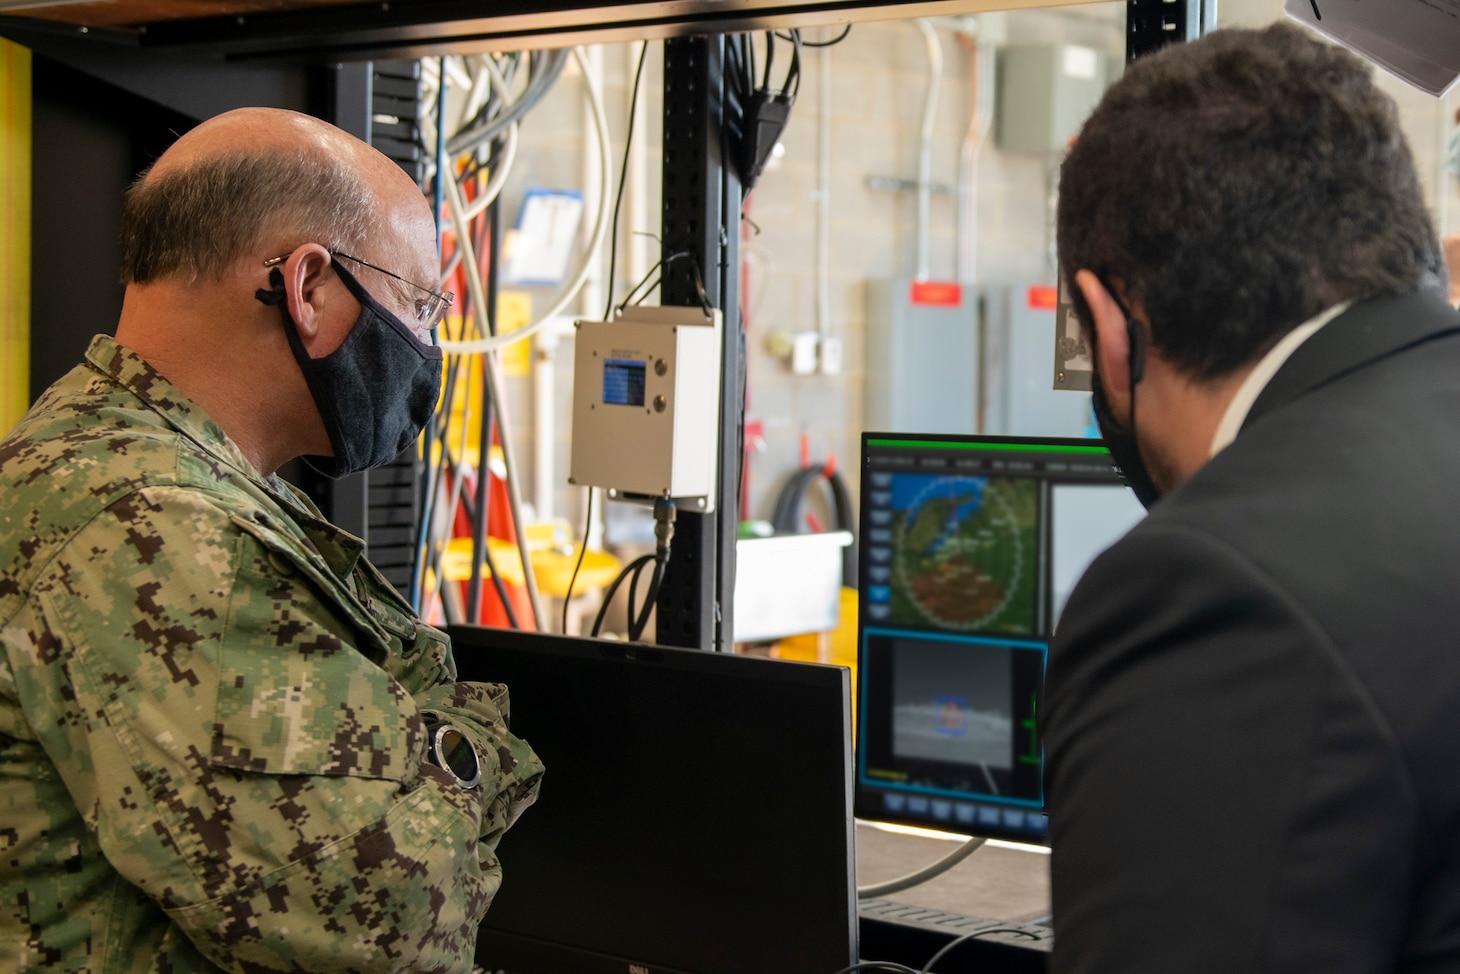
(484, 147)
(619, 196)
(600, 225)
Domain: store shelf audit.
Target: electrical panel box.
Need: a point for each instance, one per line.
(646, 405)
(1045, 93)
(922, 356)
(1019, 344)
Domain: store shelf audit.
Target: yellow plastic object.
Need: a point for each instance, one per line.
(514, 311)
(840, 644)
(15, 145)
(456, 563)
(553, 568)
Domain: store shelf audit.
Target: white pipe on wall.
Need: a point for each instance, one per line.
(637, 190)
(925, 146)
(544, 422)
(823, 194)
(980, 112)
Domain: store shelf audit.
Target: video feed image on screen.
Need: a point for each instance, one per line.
(952, 706)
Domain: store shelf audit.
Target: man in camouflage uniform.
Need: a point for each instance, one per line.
(212, 750)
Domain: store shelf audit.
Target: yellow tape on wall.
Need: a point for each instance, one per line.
(15, 135)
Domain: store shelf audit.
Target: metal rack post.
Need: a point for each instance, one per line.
(701, 218)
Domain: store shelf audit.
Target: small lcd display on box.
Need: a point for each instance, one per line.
(623, 382)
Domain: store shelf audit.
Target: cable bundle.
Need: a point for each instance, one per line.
(471, 158)
(764, 109)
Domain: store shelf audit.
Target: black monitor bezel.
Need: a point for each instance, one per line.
(867, 800)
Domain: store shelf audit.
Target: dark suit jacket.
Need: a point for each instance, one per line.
(1252, 710)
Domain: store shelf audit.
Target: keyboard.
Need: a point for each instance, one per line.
(911, 935)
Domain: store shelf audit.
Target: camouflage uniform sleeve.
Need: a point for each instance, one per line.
(244, 765)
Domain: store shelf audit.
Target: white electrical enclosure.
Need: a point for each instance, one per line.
(646, 405)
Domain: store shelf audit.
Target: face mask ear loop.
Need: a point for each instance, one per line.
(276, 296)
(1136, 351)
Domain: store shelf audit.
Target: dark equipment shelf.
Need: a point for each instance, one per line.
(350, 30)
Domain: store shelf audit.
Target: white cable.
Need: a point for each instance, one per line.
(937, 868)
(823, 196)
(497, 387)
(500, 170)
(481, 88)
(457, 73)
(474, 286)
(430, 92)
(478, 294)
(489, 79)
(600, 123)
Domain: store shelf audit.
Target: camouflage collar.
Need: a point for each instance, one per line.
(340, 549)
(133, 373)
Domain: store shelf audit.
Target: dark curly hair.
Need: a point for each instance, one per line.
(1237, 186)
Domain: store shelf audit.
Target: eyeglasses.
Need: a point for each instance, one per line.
(429, 309)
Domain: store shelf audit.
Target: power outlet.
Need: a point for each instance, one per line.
(831, 356)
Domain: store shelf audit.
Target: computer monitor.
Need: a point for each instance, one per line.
(969, 548)
(695, 815)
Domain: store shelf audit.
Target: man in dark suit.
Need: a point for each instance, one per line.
(1252, 716)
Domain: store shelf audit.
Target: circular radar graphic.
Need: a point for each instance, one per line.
(960, 555)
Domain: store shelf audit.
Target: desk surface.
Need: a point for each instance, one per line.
(995, 882)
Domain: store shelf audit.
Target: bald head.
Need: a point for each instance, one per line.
(259, 180)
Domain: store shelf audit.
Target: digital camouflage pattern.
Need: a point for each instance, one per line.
(211, 754)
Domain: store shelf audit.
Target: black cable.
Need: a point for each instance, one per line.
(740, 401)
(736, 62)
(948, 947)
(471, 513)
(500, 589)
(587, 525)
(770, 59)
(757, 115)
(648, 279)
(647, 291)
(613, 588)
(664, 515)
(484, 439)
(637, 626)
(432, 549)
(878, 965)
(831, 43)
(622, 174)
(792, 87)
(634, 596)
(786, 518)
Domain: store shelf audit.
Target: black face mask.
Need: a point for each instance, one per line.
(375, 393)
(1120, 439)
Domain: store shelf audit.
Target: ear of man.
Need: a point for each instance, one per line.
(1113, 334)
(312, 295)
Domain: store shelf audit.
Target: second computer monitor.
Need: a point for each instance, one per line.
(969, 548)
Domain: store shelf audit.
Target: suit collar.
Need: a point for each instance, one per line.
(1369, 331)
